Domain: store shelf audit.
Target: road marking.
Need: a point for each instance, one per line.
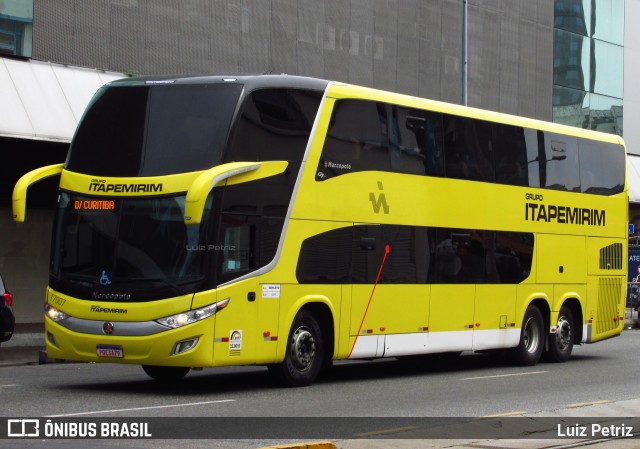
(584, 404)
(188, 404)
(504, 375)
(386, 431)
(9, 385)
(502, 414)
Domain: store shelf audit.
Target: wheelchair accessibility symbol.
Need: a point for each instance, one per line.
(105, 278)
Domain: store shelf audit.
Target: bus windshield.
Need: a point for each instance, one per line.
(112, 244)
(153, 130)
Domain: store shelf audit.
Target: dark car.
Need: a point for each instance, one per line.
(7, 319)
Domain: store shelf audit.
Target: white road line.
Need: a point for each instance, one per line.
(9, 385)
(504, 375)
(188, 404)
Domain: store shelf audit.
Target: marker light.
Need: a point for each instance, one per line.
(184, 318)
(53, 313)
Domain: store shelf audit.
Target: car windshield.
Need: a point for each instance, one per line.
(115, 243)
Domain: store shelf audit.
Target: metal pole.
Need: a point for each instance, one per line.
(464, 52)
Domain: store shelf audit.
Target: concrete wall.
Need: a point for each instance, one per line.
(409, 46)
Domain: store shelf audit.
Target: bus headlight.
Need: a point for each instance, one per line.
(53, 313)
(184, 318)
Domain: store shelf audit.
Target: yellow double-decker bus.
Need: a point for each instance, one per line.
(289, 221)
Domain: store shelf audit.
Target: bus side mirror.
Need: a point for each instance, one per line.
(19, 199)
(233, 173)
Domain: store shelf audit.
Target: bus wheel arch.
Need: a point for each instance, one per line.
(309, 347)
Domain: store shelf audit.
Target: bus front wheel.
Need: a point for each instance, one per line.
(305, 352)
(561, 342)
(531, 345)
(165, 373)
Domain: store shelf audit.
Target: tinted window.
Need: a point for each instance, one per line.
(417, 255)
(357, 139)
(366, 135)
(416, 142)
(326, 258)
(154, 130)
(601, 167)
(372, 136)
(468, 152)
(109, 138)
(251, 220)
(559, 163)
(274, 125)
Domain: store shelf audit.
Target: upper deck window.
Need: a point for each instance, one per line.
(154, 130)
(374, 136)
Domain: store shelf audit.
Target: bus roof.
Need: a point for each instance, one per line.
(251, 81)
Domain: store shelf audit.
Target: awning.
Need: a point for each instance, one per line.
(633, 177)
(44, 101)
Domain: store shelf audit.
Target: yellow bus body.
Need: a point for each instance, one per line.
(384, 320)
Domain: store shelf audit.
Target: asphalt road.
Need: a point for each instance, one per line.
(471, 386)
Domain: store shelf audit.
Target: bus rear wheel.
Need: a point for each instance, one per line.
(561, 342)
(305, 353)
(166, 373)
(531, 345)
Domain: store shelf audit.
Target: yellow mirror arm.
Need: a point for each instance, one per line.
(239, 171)
(20, 190)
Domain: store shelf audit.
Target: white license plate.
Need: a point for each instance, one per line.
(110, 351)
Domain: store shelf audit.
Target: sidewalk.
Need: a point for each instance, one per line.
(25, 347)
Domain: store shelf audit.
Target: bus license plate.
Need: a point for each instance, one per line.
(109, 351)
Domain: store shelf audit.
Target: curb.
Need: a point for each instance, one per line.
(313, 445)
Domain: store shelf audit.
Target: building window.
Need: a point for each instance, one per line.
(588, 64)
(16, 27)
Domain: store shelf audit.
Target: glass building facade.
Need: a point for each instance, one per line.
(588, 64)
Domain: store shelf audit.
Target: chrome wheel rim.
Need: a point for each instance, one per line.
(531, 335)
(563, 334)
(303, 348)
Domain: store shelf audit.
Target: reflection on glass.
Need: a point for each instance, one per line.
(607, 68)
(570, 106)
(605, 114)
(588, 64)
(560, 169)
(573, 15)
(16, 27)
(608, 21)
(571, 60)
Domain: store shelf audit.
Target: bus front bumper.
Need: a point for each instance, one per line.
(188, 346)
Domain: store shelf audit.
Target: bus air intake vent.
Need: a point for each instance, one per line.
(611, 257)
(609, 292)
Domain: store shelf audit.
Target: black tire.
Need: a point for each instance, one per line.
(531, 345)
(561, 343)
(305, 353)
(166, 373)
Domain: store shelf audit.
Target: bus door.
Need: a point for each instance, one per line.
(389, 295)
(251, 319)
